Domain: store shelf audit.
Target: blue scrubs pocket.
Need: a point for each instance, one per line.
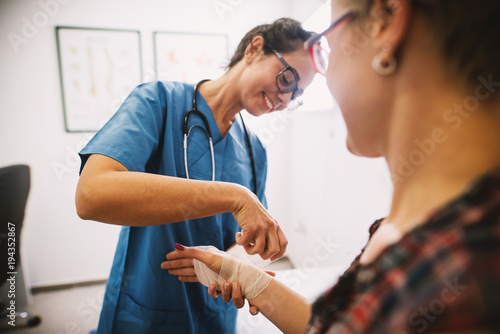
(133, 318)
(201, 168)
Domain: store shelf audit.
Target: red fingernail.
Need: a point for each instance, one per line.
(179, 247)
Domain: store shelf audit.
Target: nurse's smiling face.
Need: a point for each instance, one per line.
(259, 91)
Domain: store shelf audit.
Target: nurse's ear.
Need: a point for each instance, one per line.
(254, 50)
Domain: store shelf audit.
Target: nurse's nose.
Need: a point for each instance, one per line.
(284, 99)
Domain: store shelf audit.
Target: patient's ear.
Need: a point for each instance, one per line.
(391, 20)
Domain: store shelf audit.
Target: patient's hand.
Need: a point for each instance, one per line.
(177, 264)
(180, 263)
(233, 291)
(181, 267)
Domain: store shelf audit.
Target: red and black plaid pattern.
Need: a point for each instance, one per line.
(443, 276)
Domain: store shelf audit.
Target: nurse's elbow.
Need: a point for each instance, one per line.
(83, 210)
(85, 202)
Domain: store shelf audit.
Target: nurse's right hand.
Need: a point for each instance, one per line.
(260, 233)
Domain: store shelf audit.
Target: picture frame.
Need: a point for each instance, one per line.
(189, 57)
(98, 69)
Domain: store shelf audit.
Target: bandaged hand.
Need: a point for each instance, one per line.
(216, 267)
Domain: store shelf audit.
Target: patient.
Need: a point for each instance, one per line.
(417, 83)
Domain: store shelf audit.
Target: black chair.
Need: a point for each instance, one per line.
(14, 189)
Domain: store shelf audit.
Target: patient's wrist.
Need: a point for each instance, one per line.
(252, 280)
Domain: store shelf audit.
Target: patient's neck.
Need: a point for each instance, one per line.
(434, 162)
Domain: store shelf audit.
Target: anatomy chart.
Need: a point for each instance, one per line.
(98, 68)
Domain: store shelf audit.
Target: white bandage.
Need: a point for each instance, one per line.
(252, 280)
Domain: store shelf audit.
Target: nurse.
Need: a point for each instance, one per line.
(134, 174)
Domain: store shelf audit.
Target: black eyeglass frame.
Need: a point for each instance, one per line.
(296, 91)
(313, 40)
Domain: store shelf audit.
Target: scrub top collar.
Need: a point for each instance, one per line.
(214, 127)
(207, 111)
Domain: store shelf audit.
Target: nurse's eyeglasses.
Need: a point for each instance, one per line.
(317, 46)
(287, 82)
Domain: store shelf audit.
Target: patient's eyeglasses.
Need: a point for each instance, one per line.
(317, 46)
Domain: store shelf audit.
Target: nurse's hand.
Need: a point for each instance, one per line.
(260, 233)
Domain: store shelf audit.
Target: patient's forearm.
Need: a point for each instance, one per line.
(289, 311)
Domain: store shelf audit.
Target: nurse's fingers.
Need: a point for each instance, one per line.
(270, 273)
(237, 237)
(283, 242)
(241, 240)
(245, 239)
(272, 245)
(258, 246)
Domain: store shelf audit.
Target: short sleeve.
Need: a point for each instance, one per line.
(131, 136)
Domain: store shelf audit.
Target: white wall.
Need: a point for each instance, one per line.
(305, 175)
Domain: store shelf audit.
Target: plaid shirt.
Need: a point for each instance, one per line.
(442, 276)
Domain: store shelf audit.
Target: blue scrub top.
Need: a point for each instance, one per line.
(140, 296)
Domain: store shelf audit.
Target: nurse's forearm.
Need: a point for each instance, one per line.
(121, 197)
(289, 311)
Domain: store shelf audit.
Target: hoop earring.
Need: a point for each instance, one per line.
(384, 66)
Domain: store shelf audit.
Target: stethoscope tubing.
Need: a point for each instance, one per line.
(210, 143)
(208, 133)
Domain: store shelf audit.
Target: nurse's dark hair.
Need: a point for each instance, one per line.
(465, 31)
(285, 35)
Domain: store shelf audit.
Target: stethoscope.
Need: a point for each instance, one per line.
(208, 132)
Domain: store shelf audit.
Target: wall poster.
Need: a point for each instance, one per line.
(98, 69)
